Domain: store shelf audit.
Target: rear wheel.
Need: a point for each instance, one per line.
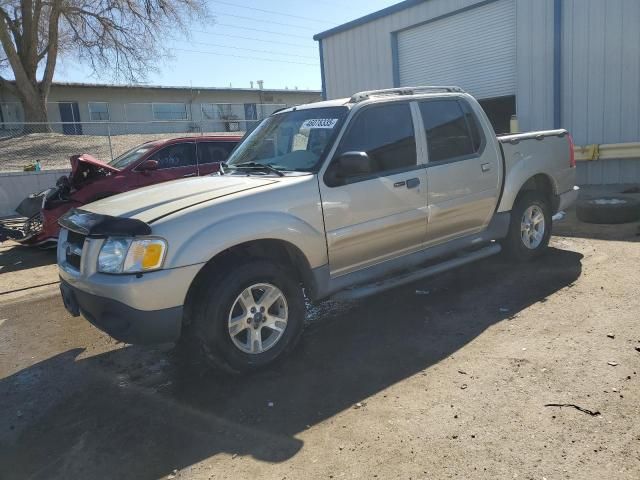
(249, 317)
(530, 227)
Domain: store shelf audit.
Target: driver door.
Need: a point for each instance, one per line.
(382, 214)
(174, 162)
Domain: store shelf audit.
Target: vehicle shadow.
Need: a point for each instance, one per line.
(139, 413)
(14, 257)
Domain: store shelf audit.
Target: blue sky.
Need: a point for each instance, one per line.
(278, 47)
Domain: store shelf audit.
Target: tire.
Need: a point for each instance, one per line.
(524, 245)
(217, 303)
(608, 210)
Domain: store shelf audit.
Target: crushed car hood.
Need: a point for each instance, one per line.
(79, 164)
(151, 203)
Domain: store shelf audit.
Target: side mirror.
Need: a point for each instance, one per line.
(148, 165)
(349, 165)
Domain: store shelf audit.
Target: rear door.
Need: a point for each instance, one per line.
(174, 161)
(463, 170)
(382, 214)
(211, 153)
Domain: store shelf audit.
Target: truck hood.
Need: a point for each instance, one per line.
(157, 201)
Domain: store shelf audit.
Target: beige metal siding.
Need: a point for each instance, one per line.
(601, 70)
(360, 58)
(474, 49)
(534, 64)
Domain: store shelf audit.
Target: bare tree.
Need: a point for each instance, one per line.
(119, 39)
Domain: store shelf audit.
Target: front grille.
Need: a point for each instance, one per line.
(73, 254)
(34, 225)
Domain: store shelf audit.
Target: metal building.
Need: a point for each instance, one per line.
(554, 63)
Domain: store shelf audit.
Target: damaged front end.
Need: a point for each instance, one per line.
(39, 212)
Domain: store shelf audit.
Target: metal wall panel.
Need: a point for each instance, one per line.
(475, 50)
(608, 172)
(601, 70)
(534, 60)
(360, 58)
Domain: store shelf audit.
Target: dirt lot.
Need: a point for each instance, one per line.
(54, 149)
(445, 378)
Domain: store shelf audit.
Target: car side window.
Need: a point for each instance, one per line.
(177, 155)
(447, 130)
(385, 134)
(477, 136)
(214, 152)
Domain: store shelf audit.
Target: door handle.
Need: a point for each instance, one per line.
(485, 167)
(189, 175)
(413, 182)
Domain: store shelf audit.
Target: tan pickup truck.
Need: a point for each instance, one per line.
(343, 198)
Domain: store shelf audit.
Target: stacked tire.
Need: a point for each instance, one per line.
(608, 210)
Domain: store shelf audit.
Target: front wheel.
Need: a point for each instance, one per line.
(249, 317)
(530, 227)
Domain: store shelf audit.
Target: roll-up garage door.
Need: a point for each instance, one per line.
(474, 49)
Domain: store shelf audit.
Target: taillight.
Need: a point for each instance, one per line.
(572, 153)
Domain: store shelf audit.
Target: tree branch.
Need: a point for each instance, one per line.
(10, 49)
(52, 48)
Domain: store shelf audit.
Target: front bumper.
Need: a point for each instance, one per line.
(121, 321)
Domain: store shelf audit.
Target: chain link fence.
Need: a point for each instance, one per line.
(22, 145)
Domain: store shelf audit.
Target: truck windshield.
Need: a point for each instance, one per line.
(293, 141)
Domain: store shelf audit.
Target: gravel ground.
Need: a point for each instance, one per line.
(445, 378)
(54, 149)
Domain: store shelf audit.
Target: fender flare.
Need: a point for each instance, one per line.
(516, 179)
(207, 243)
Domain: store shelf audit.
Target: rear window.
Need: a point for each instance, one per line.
(450, 134)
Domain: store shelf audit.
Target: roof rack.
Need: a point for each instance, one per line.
(360, 96)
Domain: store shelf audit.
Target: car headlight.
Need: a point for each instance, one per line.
(131, 255)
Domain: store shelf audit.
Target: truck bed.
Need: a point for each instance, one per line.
(547, 153)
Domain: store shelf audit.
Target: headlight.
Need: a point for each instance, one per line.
(130, 255)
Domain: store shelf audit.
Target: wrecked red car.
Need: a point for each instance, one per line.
(91, 179)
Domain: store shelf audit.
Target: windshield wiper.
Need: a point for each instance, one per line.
(255, 166)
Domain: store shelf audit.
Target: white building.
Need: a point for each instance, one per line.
(128, 107)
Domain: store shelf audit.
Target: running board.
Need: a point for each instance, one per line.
(399, 280)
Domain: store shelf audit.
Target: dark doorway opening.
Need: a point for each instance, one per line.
(500, 110)
(70, 116)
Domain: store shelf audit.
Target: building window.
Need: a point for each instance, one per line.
(99, 111)
(170, 111)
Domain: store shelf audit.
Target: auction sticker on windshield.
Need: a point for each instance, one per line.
(320, 123)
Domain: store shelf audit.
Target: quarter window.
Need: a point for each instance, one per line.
(98, 111)
(447, 129)
(385, 133)
(178, 155)
(169, 111)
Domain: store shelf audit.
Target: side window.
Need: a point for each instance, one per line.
(448, 135)
(178, 155)
(477, 136)
(214, 152)
(385, 133)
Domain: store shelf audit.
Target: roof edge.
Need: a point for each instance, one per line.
(398, 7)
(178, 87)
